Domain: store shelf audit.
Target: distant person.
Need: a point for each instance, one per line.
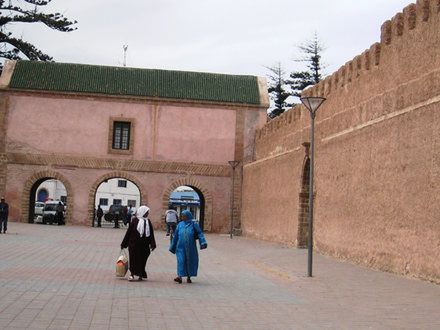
(128, 215)
(60, 213)
(185, 248)
(124, 214)
(99, 215)
(114, 210)
(4, 213)
(171, 219)
(140, 241)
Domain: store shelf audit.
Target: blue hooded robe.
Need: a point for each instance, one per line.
(184, 246)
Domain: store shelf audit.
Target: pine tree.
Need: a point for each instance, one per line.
(15, 11)
(277, 90)
(311, 51)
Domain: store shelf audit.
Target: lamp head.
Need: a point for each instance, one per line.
(233, 163)
(312, 103)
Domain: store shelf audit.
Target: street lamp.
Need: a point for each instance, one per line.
(312, 104)
(234, 164)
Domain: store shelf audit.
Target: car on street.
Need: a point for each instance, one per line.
(38, 210)
(115, 212)
(49, 212)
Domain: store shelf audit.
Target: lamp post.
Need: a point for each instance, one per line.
(312, 104)
(234, 164)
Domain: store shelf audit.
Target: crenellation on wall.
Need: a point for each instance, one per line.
(335, 84)
(358, 61)
(366, 59)
(281, 135)
(342, 78)
(349, 73)
(410, 14)
(386, 33)
(424, 7)
(405, 96)
(405, 28)
(398, 24)
(319, 88)
(375, 51)
(328, 85)
(281, 122)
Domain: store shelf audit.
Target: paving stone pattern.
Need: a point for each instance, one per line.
(63, 278)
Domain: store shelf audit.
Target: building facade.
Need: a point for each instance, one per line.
(51, 190)
(117, 191)
(84, 124)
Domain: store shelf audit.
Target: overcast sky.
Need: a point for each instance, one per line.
(227, 36)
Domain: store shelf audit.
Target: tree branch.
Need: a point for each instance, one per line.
(15, 48)
(54, 21)
(29, 50)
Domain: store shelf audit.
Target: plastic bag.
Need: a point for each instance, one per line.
(122, 264)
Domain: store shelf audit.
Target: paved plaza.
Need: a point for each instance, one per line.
(63, 278)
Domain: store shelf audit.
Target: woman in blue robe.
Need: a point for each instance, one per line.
(185, 248)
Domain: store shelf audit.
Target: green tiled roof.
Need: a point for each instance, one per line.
(80, 78)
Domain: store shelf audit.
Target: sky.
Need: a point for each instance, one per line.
(224, 36)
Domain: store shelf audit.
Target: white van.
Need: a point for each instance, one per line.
(39, 207)
(49, 212)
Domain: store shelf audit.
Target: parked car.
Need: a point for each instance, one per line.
(115, 212)
(39, 206)
(49, 212)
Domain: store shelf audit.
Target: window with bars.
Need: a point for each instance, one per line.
(122, 183)
(121, 135)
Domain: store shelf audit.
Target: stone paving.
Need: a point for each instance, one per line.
(63, 278)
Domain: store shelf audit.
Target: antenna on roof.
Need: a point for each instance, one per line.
(125, 47)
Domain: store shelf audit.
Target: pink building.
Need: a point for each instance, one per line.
(83, 124)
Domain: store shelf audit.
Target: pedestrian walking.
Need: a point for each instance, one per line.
(115, 211)
(139, 239)
(60, 213)
(129, 215)
(184, 246)
(99, 215)
(4, 213)
(171, 219)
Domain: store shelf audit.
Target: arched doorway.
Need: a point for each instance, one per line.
(303, 215)
(114, 193)
(191, 199)
(205, 200)
(46, 188)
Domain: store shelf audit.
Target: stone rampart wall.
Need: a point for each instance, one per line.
(377, 169)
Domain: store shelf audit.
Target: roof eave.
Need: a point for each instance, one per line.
(140, 98)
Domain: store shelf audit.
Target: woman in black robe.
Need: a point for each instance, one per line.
(139, 239)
